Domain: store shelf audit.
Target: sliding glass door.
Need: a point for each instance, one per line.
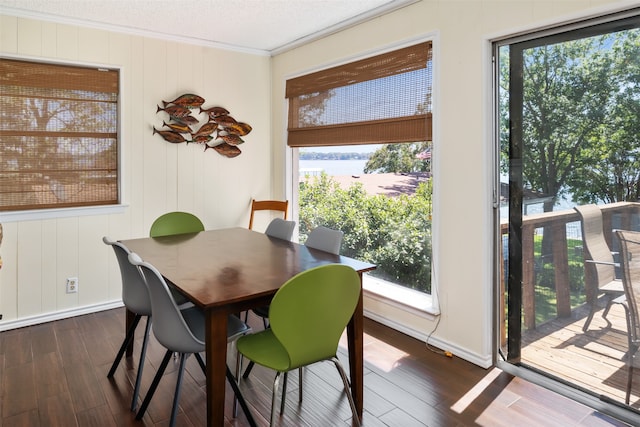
(568, 129)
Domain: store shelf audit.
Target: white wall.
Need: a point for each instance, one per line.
(462, 159)
(39, 255)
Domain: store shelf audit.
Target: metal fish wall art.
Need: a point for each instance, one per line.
(219, 130)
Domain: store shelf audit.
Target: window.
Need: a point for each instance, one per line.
(363, 130)
(58, 135)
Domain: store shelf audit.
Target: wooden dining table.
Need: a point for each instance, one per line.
(228, 271)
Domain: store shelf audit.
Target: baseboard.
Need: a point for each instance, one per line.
(58, 315)
(457, 351)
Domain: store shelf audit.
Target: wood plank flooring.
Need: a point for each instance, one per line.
(54, 374)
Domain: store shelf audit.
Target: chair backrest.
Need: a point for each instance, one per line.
(134, 291)
(595, 244)
(630, 266)
(268, 205)
(175, 223)
(325, 239)
(169, 326)
(310, 311)
(280, 229)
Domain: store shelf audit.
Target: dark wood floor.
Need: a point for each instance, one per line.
(54, 374)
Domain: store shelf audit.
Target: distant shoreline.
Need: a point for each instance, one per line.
(308, 155)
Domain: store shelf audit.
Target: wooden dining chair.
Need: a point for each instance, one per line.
(268, 205)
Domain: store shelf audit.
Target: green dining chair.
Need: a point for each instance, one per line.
(175, 223)
(307, 315)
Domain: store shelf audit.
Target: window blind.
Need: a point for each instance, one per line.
(58, 135)
(382, 99)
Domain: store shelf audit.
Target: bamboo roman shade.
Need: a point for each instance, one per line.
(58, 135)
(381, 99)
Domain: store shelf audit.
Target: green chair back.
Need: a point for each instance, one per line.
(310, 311)
(175, 223)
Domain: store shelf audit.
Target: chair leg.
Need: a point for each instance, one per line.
(201, 363)
(284, 392)
(154, 384)
(143, 352)
(274, 395)
(629, 380)
(248, 370)
(347, 390)
(240, 398)
(300, 378)
(176, 396)
(127, 340)
(592, 311)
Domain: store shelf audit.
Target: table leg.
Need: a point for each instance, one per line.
(356, 356)
(216, 360)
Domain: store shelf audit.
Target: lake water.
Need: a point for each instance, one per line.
(334, 167)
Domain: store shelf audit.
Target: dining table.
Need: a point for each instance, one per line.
(227, 271)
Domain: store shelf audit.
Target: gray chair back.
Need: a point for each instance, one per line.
(325, 239)
(169, 327)
(134, 291)
(280, 229)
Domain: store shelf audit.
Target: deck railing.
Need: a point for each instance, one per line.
(621, 214)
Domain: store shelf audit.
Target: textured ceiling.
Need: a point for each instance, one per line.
(260, 25)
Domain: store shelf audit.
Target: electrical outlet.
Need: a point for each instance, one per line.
(72, 285)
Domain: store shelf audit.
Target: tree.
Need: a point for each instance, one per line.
(400, 158)
(609, 168)
(580, 110)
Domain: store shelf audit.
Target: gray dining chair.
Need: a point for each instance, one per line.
(182, 332)
(136, 299)
(280, 229)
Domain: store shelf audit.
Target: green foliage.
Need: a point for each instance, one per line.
(393, 233)
(580, 106)
(397, 158)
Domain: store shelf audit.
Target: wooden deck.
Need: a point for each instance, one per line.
(593, 360)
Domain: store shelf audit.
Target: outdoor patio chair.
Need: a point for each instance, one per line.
(630, 266)
(600, 266)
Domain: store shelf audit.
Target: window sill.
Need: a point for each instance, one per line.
(409, 300)
(42, 214)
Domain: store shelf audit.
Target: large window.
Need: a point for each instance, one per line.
(568, 111)
(363, 130)
(58, 135)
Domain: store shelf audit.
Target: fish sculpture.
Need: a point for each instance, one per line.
(231, 139)
(178, 127)
(206, 129)
(240, 129)
(187, 100)
(186, 120)
(227, 150)
(175, 111)
(220, 132)
(201, 139)
(225, 120)
(214, 112)
(170, 136)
